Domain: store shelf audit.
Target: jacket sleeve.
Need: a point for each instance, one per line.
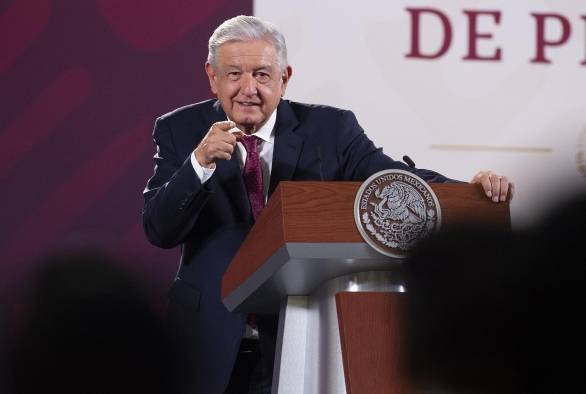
(174, 196)
(360, 158)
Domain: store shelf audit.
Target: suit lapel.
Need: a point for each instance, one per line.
(287, 146)
(230, 179)
(230, 175)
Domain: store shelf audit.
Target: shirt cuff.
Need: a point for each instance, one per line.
(202, 173)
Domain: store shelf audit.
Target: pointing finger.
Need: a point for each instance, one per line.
(226, 125)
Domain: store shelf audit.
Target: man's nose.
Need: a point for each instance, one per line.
(248, 84)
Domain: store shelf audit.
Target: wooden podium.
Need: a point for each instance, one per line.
(338, 300)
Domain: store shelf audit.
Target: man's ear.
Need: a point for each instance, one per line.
(285, 77)
(212, 77)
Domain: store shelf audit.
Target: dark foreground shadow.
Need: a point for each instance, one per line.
(495, 312)
(90, 329)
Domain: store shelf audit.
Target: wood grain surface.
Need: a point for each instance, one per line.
(371, 337)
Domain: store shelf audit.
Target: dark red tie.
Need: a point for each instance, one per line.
(253, 175)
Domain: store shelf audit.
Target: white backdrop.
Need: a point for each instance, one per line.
(521, 119)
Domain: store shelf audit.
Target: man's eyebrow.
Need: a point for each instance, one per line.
(237, 66)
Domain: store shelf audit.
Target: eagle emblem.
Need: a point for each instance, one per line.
(394, 209)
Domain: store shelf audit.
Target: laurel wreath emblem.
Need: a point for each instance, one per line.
(400, 234)
(394, 209)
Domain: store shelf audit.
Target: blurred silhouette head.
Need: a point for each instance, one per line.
(466, 297)
(554, 343)
(495, 312)
(90, 330)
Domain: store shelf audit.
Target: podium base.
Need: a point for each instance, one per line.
(309, 354)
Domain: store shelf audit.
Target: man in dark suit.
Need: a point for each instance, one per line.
(210, 182)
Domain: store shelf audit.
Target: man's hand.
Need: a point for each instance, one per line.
(495, 186)
(218, 144)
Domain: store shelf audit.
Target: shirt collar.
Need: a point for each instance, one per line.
(267, 131)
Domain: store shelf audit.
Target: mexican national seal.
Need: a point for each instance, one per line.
(393, 209)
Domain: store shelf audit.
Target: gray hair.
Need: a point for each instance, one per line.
(247, 28)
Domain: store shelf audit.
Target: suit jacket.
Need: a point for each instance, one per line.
(210, 221)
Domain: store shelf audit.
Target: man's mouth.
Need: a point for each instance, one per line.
(247, 104)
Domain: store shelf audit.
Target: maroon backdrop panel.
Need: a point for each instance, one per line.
(81, 83)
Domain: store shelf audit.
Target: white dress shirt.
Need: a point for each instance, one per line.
(267, 135)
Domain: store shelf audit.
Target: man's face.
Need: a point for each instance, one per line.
(248, 82)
